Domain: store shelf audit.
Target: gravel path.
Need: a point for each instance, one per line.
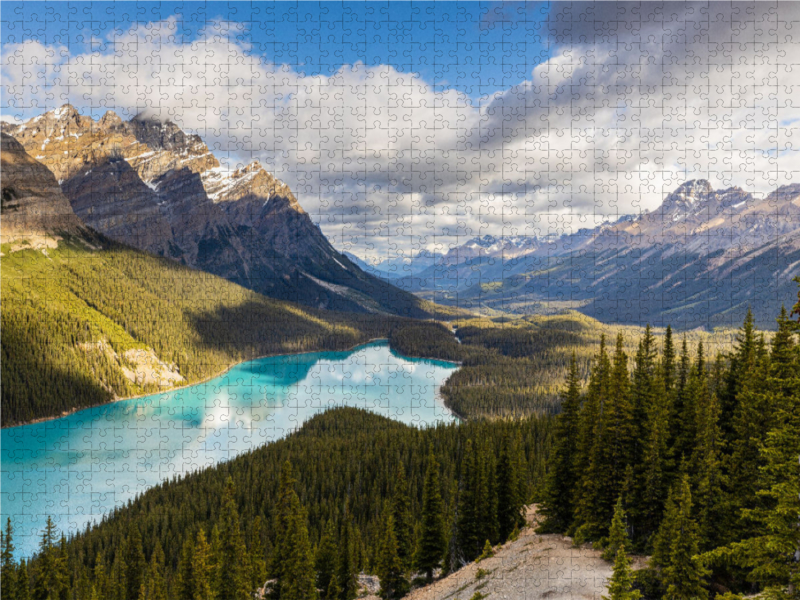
(532, 567)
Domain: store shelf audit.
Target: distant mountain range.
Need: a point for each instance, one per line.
(152, 186)
(698, 261)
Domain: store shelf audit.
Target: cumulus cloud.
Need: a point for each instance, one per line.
(634, 99)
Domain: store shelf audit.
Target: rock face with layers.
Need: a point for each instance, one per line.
(149, 184)
(32, 203)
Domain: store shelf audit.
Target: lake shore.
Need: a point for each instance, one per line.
(223, 372)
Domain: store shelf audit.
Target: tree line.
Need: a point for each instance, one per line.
(693, 461)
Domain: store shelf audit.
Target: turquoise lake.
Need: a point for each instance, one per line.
(77, 468)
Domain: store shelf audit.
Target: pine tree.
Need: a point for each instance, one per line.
(683, 574)
(51, 581)
(562, 479)
(347, 571)
(155, 583)
(589, 523)
(706, 468)
(644, 389)
(8, 587)
(390, 568)
(509, 502)
(22, 590)
(668, 360)
(771, 554)
(682, 409)
(325, 563)
(487, 503)
(621, 585)
(618, 534)
(184, 587)
(281, 516)
(202, 583)
(468, 532)
(256, 555)
(615, 443)
(742, 361)
(135, 564)
(232, 577)
(401, 512)
(432, 543)
(297, 582)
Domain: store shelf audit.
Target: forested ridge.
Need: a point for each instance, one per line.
(57, 307)
(323, 501)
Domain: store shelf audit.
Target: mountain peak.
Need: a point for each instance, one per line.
(67, 111)
(110, 120)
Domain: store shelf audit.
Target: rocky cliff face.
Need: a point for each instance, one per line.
(153, 186)
(32, 202)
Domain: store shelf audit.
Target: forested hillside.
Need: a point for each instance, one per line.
(76, 320)
(694, 461)
(343, 494)
(514, 367)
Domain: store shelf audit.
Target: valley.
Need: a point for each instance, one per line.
(203, 399)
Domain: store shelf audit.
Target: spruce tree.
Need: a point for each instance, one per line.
(202, 583)
(325, 563)
(742, 361)
(432, 543)
(135, 563)
(22, 589)
(280, 524)
(509, 502)
(184, 587)
(50, 582)
(618, 533)
(558, 506)
(256, 554)
(643, 389)
(616, 432)
(487, 503)
(771, 554)
(706, 468)
(401, 512)
(389, 567)
(8, 586)
(468, 531)
(682, 573)
(621, 585)
(589, 523)
(232, 577)
(297, 577)
(668, 360)
(155, 583)
(346, 571)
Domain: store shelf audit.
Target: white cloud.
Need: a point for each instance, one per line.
(608, 125)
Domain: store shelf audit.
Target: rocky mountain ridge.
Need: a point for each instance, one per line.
(33, 207)
(153, 186)
(698, 261)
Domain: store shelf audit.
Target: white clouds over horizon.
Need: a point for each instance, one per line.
(616, 118)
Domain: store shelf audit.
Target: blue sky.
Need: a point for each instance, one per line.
(478, 48)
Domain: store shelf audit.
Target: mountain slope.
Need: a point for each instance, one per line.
(86, 319)
(698, 261)
(152, 186)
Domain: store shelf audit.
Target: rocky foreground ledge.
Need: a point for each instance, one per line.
(531, 567)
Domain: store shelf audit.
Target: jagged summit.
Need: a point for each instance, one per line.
(148, 183)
